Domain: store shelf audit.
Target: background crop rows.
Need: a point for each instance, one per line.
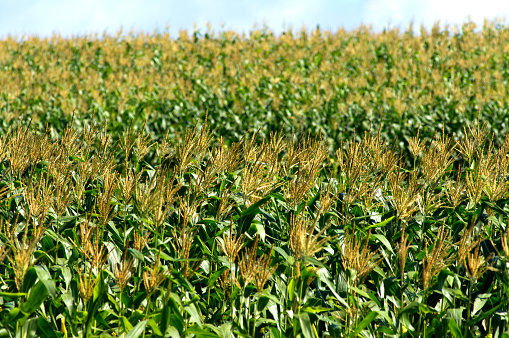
(336, 84)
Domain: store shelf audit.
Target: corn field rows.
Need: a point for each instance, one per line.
(257, 239)
(221, 185)
(337, 84)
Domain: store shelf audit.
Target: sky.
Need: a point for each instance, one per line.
(69, 17)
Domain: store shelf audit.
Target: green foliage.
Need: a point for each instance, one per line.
(339, 84)
(114, 228)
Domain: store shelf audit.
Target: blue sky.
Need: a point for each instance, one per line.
(70, 17)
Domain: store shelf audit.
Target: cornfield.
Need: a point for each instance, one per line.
(335, 84)
(348, 184)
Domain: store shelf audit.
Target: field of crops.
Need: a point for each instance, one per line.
(217, 185)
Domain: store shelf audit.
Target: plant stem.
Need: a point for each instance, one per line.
(248, 313)
(470, 286)
(424, 297)
(255, 314)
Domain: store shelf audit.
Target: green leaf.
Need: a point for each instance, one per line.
(45, 278)
(260, 230)
(193, 311)
(364, 323)
(313, 200)
(13, 294)
(28, 330)
(379, 225)
(66, 221)
(479, 302)
(66, 273)
(155, 329)
(291, 289)
(324, 277)
(43, 255)
(383, 240)
(262, 303)
(176, 313)
(305, 325)
(386, 330)
(14, 315)
(314, 261)
(137, 330)
(113, 301)
(455, 330)
(275, 332)
(456, 313)
(38, 294)
(225, 330)
(172, 332)
(216, 275)
(68, 300)
(29, 279)
(315, 309)
(95, 302)
(100, 319)
(247, 216)
(485, 314)
(74, 158)
(45, 328)
(496, 207)
(136, 254)
(126, 324)
(416, 307)
(199, 332)
(165, 314)
(360, 292)
(281, 251)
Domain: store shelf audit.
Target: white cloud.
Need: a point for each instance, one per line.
(427, 12)
(243, 15)
(292, 13)
(79, 17)
(70, 17)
